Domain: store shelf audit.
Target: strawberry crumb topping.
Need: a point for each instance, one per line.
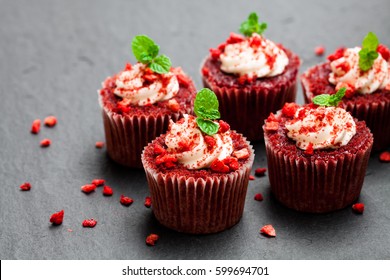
(358, 208)
(260, 171)
(258, 197)
(50, 121)
(25, 186)
(148, 202)
(125, 200)
(89, 223)
(107, 191)
(57, 218)
(268, 230)
(384, 157)
(36, 126)
(88, 188)
(151, 239)
(45, 143)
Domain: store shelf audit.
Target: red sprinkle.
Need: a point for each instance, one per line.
(251, 177)
(148, 202)
(25, 187)
(173, 105)
(45, 143)
(268, 230)
(88, 188)
(57, 218)
(384, 157)
(309, 150)
(107, 191)
(50, 121)
(358, 208)
(259, 197)
(98, 182)
(125, 200)
(89, 223)
(260, 171)
(99, 144)
(223, 126)
(36, 126)
(320, 50)
(151, 239)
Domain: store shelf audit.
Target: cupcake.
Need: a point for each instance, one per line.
(138, 102)
(317, 155)
(198, 171)
(251, 76)
(364, 71)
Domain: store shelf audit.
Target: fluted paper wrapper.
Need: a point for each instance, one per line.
(126, 136)
(375, 114)
(316, 185)
(246, 109)
(199, 206)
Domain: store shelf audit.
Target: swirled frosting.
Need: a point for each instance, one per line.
(187, 143)
(323, 127)
(346, 72)
(254, 56)
(140, 87)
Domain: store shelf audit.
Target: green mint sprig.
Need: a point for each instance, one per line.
(206, 109)
(368, 53)
(252, 25)
(330, 100)
(146, 51)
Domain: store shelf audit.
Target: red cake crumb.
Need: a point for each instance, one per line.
(384, 157)
(148, 202)
(260, 171)
(271, 126)
(251, 177)
(98, 182)
(241, 154)
(45, 143)
(232, 162)
(50, 121)
(384, 51)
(88, 188)
(337, 54)
(183, 80)
(210, 141)
(25, 186)
(268, 230)
(223, 126)
(320, 50)
(218, 166)
(151, 239)
(309, 150)
(57, 218)
(215, 53)
(99, 144)
(36, 126)
(159, 150)
(258, 197)
(358, 208)
(107, 191)
(205, 71)
(289, 109)
(234, 38)
(125, 200)
(173, 105)
(89, 223)
(168, 160)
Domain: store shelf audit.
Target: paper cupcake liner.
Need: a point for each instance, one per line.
(316, 185)
(375, 114)
(246, 109)
(199, 206)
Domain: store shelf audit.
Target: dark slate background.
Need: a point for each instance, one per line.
(53, 57)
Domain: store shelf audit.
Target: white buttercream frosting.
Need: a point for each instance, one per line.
(262, 59)
(197, 154)
(132, 86)
(346, 71)
(323, 127)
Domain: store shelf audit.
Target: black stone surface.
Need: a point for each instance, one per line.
(53, 57)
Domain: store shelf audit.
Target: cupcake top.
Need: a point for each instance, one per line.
(201, 142)
(251, 55)
(317, 126)
(363, 70)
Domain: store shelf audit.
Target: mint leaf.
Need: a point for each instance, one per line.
(144, 48)
(330, 100)
(207, 126)
(368, 53)
(206, 104)
(252, 25)
(161, 64)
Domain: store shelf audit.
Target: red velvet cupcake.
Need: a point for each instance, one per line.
(138, 102)
(251, 76)
(198, 171)
(317, 156)
(367, 79)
